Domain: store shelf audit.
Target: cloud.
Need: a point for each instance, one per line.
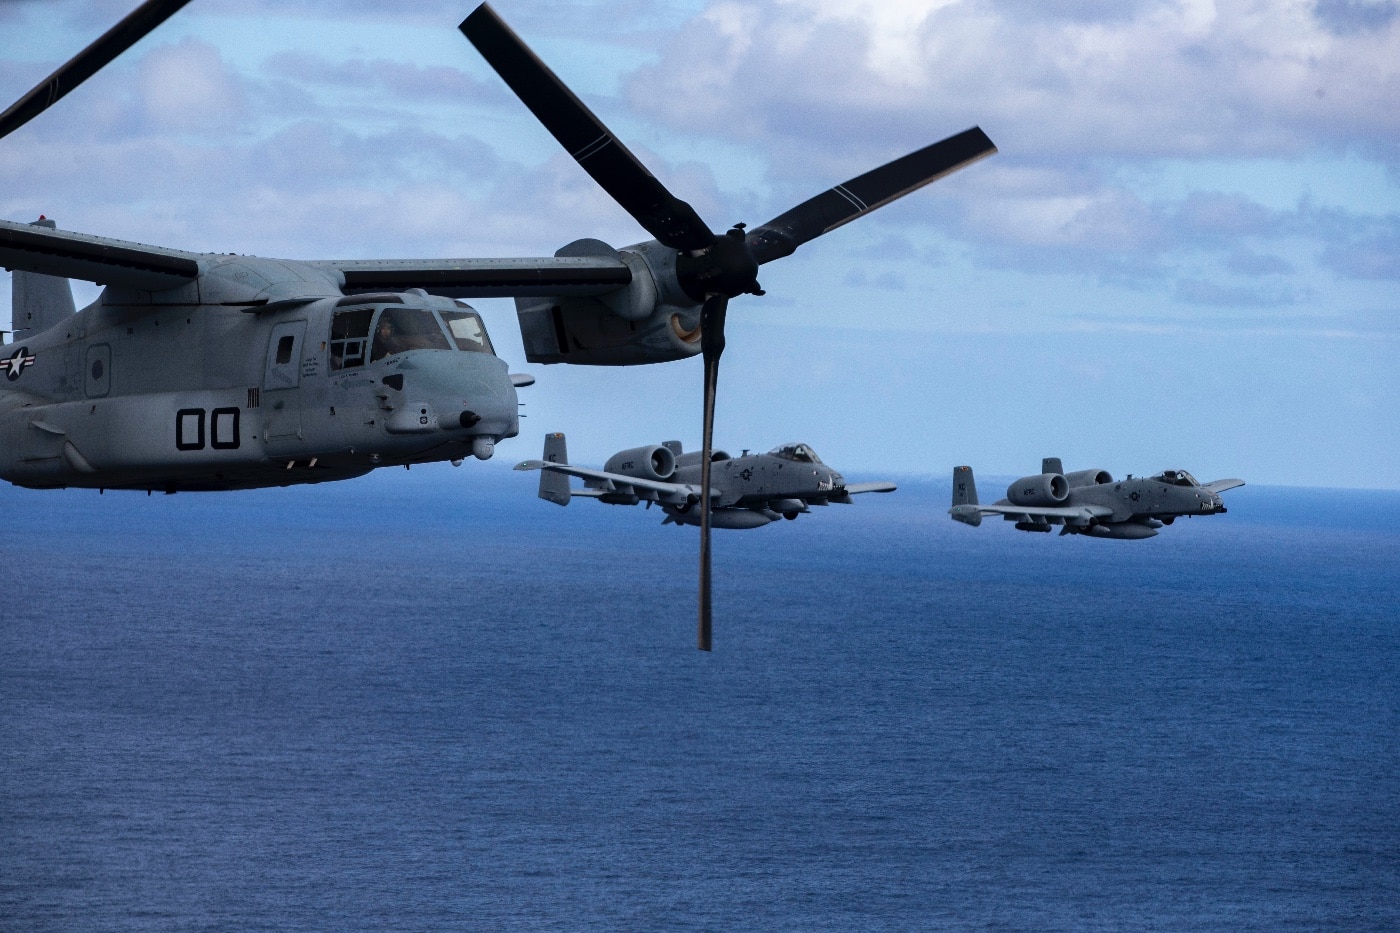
(1351, 17)
(1202, 292)
(1152, 79)
(886, 281)
(1374, 255)
(406, 81)
(1217, 215)
(1244, 261)
(187, 87)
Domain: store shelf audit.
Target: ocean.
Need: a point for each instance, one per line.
(427, 700)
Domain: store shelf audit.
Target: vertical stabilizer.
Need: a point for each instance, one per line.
(1052, 465)
(965, 508)
(964, 487)
(554, 487)
(39, 301)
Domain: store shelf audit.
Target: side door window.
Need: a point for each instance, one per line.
(284, 356)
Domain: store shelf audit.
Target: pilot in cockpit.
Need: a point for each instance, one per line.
(799, 452)
(386, 340)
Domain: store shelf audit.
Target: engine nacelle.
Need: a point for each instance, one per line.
(692, 458)
(650, 320)
(1043, 489)
(1088, 478)
(657, 463)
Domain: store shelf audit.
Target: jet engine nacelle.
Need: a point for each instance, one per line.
(650, 320)
(657, 463)
(1088, 478)
(1044, 489)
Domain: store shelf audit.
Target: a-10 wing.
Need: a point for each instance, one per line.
(1067, 514)
(854, 488)
(602, 483)
(1220, 485)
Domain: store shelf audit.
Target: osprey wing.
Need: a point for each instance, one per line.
(486, 278)
(34, 248)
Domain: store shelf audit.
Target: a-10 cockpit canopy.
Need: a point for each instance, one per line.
(798, 452)
(386, 331)
(1176, 478)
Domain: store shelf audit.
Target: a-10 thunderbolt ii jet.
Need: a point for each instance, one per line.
(211, 371)
(1091, 502)
(748, 491)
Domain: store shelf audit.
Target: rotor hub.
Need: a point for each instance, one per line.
(726, 267)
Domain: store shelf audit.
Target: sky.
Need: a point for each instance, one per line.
(1186, 253)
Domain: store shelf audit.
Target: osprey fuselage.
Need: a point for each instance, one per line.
(258, 373)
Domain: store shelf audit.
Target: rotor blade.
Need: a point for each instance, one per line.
(88, 62)
(711, 346)
(862, 194)
(670, 220)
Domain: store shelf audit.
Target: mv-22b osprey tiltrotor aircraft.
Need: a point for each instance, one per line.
(750, 490)
(204, 371)
(1092, 502)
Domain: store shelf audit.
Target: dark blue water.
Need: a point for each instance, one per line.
(430, 701)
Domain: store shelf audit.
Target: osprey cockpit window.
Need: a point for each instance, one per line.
(798, 452)
(350, 337)
(467, 331)
(399, 330)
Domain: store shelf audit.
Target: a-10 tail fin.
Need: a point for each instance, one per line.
(964, 486)
(554, 487)
(965, 508)
(1051, 465)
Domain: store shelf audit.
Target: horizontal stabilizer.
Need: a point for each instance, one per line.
(967, 514)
